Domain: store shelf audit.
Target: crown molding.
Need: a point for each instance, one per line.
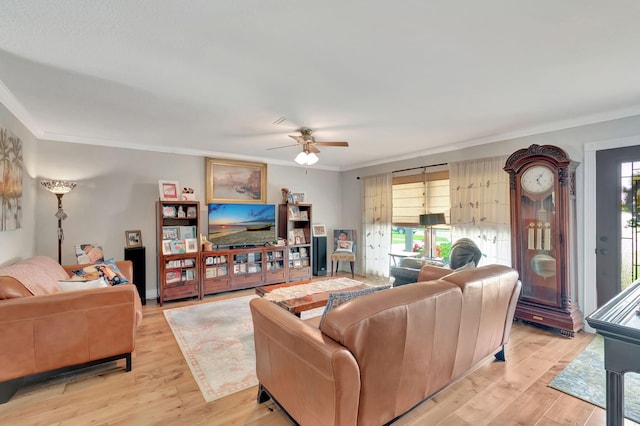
(110, 143)
(8, 99)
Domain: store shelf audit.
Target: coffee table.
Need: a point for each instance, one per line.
(304, 303)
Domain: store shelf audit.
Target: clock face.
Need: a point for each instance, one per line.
(537, 179)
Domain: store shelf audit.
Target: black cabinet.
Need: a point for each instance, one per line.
(137, 256)
(319, 256)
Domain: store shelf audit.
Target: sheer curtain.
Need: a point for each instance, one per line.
(376, 215)
(480, 207)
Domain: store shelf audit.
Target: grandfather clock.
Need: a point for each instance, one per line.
(543, 236)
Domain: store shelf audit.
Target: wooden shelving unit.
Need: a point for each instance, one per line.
(236, 269)
(294, 225)
(178, 247)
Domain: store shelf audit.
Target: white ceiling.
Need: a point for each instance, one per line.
(395, 79)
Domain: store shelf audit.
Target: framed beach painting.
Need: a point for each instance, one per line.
(229, 181)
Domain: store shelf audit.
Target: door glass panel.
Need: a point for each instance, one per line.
(629, 223)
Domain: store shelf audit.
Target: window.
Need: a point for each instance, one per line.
(414, 195)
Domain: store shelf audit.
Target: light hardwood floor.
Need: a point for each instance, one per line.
(161, 391)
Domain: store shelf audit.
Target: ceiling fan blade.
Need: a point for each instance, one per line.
(297, 138)
(332, 143)
(284, 146)
(312, 148)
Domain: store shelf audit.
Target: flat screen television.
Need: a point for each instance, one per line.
(241, 225)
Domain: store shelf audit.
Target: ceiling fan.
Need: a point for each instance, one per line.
(308, 155)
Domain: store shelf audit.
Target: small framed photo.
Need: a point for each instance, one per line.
(191, 245)
(133, 238)
(191, 212)
(298, 197)
(169, 211)
(169, 190)
(166, 247)
(319, 230)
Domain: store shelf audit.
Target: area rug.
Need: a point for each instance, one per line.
(585, 378)
(216, 339)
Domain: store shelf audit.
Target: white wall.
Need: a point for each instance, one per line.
(573, 141)
(117, 190)
(20, 243)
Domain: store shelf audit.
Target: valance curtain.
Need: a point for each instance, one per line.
(376, 205)
(479, 191)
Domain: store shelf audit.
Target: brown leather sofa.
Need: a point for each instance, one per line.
(377, 356)
(46, 332)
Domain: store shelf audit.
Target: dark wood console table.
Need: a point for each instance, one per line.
(619, 323)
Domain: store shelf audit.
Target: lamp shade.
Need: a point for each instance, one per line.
(58, 186)
(431, 219)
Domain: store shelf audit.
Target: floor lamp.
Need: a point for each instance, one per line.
(429, 220)
(59, 188)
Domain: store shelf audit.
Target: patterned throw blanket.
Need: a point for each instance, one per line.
(38, 274)
(301, 290)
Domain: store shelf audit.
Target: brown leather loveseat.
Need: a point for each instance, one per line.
(377, 356)
(55, 329)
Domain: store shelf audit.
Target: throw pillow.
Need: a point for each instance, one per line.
(337, 299)
(108, 270)
(72, 285)
(344, 247)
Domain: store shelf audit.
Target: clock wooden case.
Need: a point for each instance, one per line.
(543, 236)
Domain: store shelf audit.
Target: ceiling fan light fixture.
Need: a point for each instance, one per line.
(301, 158)
(306, 158)
(312, 158)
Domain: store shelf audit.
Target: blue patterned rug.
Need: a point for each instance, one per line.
(585, 378)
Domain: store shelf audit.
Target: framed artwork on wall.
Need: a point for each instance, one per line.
(228, 181)
(11, 171)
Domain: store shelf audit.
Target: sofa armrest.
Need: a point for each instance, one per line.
(43, 333)
(431, 272)
(297, 363)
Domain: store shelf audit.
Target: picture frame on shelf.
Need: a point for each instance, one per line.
(133, 238)
(169, 190)
(297, 197)
(319, 230)
(191, 245)
(191, 212)
(166, 247)
(169, 211)
(294, 212)
(228, 181)
(210, 272)
(169, 233)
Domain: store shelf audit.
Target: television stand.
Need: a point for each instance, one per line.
(241, 268)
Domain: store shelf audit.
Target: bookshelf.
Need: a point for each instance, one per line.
(178, 250)
(294, 225)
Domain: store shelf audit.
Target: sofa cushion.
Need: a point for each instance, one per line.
(337, 299)
(73, 285)
(108, 270)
